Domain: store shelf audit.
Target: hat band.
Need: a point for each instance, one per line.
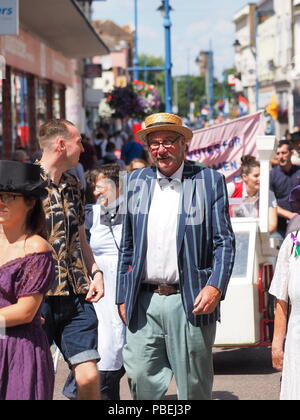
(160, 123)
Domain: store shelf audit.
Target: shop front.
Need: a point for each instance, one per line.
(42, 70)
(32, 91)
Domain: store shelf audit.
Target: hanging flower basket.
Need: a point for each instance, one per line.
(148, 95)
(135, 101)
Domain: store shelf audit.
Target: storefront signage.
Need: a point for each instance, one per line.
(31, 55)
(9, 17)
(91, 71)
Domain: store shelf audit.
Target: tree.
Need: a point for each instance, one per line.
(187, 89)
(155, 78)
(190, 89)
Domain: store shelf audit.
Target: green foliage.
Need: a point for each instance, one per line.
(156, 78)
(186, 88)
(190, 89)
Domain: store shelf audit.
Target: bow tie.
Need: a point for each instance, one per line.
(166, 181)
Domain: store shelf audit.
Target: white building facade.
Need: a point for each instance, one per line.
(266, 61)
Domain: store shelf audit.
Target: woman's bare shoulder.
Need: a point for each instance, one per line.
(36, 243)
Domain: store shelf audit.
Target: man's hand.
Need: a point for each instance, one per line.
(207, 300)
(96, 291)
(122, 313)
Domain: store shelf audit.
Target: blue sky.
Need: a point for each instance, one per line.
(194, 24)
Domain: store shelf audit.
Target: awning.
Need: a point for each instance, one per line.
(63, 25)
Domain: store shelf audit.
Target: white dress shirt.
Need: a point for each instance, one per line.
(161, 259)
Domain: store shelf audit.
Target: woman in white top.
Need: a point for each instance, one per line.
(104, 221)
(285, 287)
(248, 189)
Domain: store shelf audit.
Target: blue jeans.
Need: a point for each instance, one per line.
(71, 322)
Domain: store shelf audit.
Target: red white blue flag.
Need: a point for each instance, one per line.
(244, 105)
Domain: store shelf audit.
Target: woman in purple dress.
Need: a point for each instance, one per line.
(26, 273)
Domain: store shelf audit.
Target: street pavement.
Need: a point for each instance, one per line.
(240, 374)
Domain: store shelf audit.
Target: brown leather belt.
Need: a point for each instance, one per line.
(162, 289)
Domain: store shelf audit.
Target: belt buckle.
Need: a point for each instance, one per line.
(164, 289)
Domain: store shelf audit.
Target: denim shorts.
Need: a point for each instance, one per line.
(71, 323)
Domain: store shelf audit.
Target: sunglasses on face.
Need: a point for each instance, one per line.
(8, 198)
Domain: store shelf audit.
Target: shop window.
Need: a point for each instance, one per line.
(297, 107)
(57, 112)
(41, 101)
(20, 111)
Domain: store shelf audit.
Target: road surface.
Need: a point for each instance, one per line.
(240, 374)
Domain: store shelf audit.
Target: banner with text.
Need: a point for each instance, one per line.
(222, 146)
(9, 17)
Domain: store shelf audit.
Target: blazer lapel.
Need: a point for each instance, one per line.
(145, 198)
(186, 197)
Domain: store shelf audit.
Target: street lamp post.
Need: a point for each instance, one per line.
(136, 54)
(256, 60)
(165, 8)
(211, 82)
(168, 62)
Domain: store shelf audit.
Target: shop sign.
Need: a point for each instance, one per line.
(9, 17)
(91, 71)
(29, 54)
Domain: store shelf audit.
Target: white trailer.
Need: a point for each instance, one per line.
(247, 311)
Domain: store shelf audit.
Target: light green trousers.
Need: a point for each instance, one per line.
(162, 343)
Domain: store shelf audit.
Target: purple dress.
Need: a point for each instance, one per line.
(26, 365)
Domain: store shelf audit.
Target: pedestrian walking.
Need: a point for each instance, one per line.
(26, 274)
(295, 140)
(104, 222)
(285, 287)
(248, 190)
(70, 318)
(283, 178)
(176, 258)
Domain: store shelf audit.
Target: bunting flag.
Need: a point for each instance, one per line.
(297, 245)
(222, 146)
(272, 108)
(243, 104)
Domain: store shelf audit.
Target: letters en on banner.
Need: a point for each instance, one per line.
(9, 17)
(222, 146)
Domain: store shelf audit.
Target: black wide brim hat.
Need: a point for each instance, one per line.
(22, 178)
(294, 199)
(295, 136)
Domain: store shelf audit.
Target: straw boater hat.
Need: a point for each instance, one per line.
(23, 178)
(164, 122)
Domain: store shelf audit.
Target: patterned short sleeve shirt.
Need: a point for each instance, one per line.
(64, 208)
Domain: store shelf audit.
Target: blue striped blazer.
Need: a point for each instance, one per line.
(205, 240)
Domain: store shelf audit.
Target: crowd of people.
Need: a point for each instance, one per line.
(284, 219)
(106, 254)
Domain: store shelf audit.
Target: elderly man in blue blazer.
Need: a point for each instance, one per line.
(176, 257)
